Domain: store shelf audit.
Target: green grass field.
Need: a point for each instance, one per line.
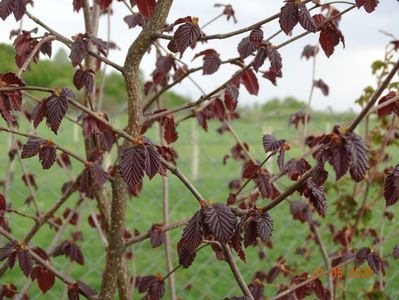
(207, 278)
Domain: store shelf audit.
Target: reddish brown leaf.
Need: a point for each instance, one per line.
(369, 5)
(169, 125)
(264, 226)
(153, 161)
(392, 107)
(221, 221)
(25, 261)
(271, 143)
(264, 184)
(250, 81)
(157, 236)
(391, 187)
(32, 147)
(322, 86)
(245, 48)
(82, 79)
(231, 94)
(317, 197)
(132, 165)
(310, 51)
(374, 262)
(47, 155)
(56, 108)
(288, 16)
(146, 7)
(256, 36)
(359, 152)
(186, 35)
(305, 19)
(17, 7)
(192, 234)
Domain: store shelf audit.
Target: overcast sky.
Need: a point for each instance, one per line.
(347, 71)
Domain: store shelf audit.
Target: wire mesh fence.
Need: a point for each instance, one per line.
(207, 278)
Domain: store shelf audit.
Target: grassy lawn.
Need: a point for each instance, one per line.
(208, 278)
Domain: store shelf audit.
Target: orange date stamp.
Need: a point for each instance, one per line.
(339, 273)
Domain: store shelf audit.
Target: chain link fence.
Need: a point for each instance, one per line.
(207, 278)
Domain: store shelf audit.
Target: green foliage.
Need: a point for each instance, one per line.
(287, 104)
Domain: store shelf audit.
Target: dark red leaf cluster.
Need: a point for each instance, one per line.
(16, 7)
(298, 118)
(8, 290)
(272, 144)
(84, 78)
(80, 287)
(10, 101)
(344, 151)
(314, 287)
(373, 259)
(93, 175)
(45, 278)
(257, 225)
(71, 250)
(137, 160)
(54, 108)
(292, 13)
(246, 48)
(300, 211)
(296, 168)
(211, 60)
(136, 19)
(77, 5)
(185, 36)
(45, 149)
(310, 51)
(211, 221)
(80, 47)
(14, 250)
(24, 44)
(163, 66)
(330, 35)
(267, 50)
(153, 286)
(391, 187)
(368, 5)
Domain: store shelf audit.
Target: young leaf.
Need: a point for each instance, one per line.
(186, 35)
(391, 187)
(359, 151)
(47, 155)
(256, 36)
(322, 86)
(245, 48)
(305, 19)
(250, 233)
(25, 261)
(17, 7)
(56, 108)
(153, 161)
(157, 236)
(250, 81)
(271, 143)
(132, 165)
(260, 57)
(264, 184)
(231, 94)
(32, 147)
(317, 197)
(221, 221)
(192, 234)
(288, 16)
(264, 226)
(374, 262)
(369, 5)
